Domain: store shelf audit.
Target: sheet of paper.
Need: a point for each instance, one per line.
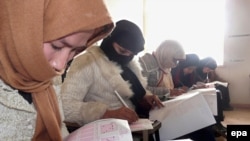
(180, 140)
(211, 84)
(141, 124)
(182, 115)
(210, 96)
(103, 130)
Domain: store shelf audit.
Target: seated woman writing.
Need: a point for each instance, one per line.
(89, 89)
(157, 68)
(185, 75)
(206, 72)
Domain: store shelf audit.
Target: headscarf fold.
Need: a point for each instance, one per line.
(24, 27)
(179, 78)
(205, 62)
(129, 36)
(192, 60)
(167, 52)
(165, 55)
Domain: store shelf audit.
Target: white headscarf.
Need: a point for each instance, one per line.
(167, 52)
(165, 55)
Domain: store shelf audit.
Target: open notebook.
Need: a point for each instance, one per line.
(108, 130)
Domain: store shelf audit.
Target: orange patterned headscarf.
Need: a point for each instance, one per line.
(24, 27)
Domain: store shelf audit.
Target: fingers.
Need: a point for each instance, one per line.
(128, 115)
(122, 113)
(156, 102)
(176, 92)
(153, 101)
(180, 91)
(185, 88)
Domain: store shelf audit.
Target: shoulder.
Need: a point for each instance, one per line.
(136, 68)
(87, 58)
(17, 112)
(148, 62)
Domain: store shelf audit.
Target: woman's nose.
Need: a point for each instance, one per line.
(60, 61)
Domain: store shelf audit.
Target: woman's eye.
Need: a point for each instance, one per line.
(77, 51)
(123, 52)
(55, 47)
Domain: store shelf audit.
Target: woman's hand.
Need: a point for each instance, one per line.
(176, 92)
(153, 100)
(184, 88)
(199, 86)
(122, 113)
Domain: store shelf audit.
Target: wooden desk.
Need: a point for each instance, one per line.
(146, 133)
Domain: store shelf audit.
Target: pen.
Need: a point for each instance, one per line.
(120, 98)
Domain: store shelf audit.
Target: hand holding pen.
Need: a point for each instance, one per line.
(123, 112)
(120, 98)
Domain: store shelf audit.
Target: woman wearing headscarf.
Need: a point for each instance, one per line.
(37, 39)
(206, 73)
(183, 74)
(204, 69)
(107, 69)
(157, 66)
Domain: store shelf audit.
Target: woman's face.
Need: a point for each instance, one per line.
(189, 70)
(59, 52)
(122, 51)
(207, 70)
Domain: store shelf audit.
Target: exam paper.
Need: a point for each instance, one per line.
(182, 115)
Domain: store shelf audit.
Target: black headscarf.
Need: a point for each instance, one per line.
(191, 60)
(206, 62)
(179, 79)
(129, 36)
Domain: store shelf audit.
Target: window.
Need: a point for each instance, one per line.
(197, 24)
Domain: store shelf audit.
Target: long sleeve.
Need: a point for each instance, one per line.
(88, 89)
(74, 91)
(150, 70)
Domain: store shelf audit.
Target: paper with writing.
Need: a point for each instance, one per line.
(182, 115)
(102, 130)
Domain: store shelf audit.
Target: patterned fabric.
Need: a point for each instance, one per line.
(18, 117)
(152, 71)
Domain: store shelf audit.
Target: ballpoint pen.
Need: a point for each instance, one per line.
(120, 98)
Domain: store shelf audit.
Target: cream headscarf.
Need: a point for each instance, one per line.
(24, 26)
(165, 55)
(167, 52)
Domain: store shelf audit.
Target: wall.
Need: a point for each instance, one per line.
(126, 9)
(236, 67)
(131, 10)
